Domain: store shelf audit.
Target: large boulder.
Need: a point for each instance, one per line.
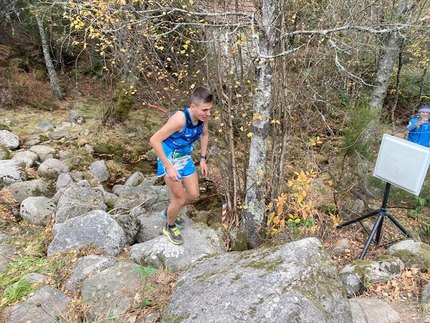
(86, 267)
(77, 199)
(296, 282)
(48, 305)
(372, 310)
(151, 223)
(96, 228)
(112, 292)
(151, 198)
(200, 241)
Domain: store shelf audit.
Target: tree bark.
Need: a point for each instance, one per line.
(254, 205)
(55, 83)
(389, 55)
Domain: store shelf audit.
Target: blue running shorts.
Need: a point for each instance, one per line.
(182, 162)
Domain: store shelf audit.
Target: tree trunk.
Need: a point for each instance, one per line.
(389, 55)
(55, 83)
(396, 96)
(254, 205)
(422, 82)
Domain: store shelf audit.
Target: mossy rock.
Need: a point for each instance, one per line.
(238, 240)
(103, 149)
(413, 254)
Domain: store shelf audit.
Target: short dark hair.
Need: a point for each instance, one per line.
(201, 95)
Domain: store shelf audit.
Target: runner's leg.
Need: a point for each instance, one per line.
(177, 199)
(191, 184)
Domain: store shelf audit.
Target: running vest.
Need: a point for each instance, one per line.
(183, 141)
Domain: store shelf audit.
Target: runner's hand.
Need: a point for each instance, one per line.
(204, 167)
(172, 174)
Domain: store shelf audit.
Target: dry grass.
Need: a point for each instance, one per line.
(7, 204)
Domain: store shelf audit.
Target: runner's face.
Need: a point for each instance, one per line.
(202, 111)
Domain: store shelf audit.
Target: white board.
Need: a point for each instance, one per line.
(402, 163)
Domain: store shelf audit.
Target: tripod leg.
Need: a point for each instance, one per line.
(379, 230)
(369, 240)
(358, 219)
(398, 225)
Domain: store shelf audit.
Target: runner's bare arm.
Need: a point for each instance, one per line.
(204, 140)
(174, 124)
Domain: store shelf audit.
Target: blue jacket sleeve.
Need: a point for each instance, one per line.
(412, 124)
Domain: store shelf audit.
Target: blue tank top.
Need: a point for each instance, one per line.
(182, 142)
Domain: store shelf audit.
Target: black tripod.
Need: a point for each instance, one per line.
(377, 228)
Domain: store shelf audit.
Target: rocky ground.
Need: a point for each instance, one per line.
(402, 293)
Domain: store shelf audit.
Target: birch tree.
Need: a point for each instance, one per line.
(25, 13)
(55, 83)
(390, 50)
(255, 201)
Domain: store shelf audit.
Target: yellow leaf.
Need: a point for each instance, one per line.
(271, 216)
(257, 117)
(280, 208)
(282, 224)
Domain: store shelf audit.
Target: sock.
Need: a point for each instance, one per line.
(171, 226)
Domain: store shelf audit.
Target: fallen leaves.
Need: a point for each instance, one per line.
(407, 286)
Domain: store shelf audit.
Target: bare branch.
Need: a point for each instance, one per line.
(341, 67)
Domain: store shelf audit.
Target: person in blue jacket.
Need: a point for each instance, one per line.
(419, 127)
(173, 144)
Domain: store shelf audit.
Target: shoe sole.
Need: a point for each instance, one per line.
(179, 226)
(170, 239)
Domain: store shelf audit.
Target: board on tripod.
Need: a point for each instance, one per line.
(402, 163)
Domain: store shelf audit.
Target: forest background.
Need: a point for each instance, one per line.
(305, 90)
